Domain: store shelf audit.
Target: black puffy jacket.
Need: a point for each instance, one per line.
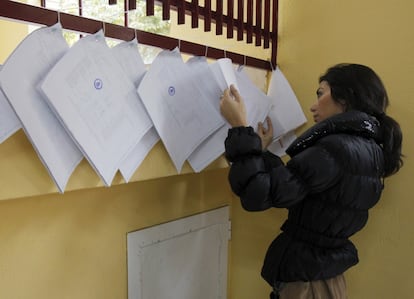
(333, 177)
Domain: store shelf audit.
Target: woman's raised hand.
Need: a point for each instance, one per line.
(232, 107)
(265, 134)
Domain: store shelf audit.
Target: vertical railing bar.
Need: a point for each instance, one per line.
(207, 15)
(258, 33)
(126, 10)
(274, 35)
(230, 16)
(240, 18)
(132, 4)
(80, 7)
(219, 17)
(165, 10)
(249, 24)
(194, 13)
(150, 7)
(266, 31)
(180, 12)
(80, 12)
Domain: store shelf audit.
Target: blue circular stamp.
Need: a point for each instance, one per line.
(98, 83)
(171, 90)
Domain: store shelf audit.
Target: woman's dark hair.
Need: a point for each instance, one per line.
(357, 87)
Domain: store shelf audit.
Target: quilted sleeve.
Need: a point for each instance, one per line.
(261, 180)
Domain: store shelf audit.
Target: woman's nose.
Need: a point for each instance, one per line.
(313, 107)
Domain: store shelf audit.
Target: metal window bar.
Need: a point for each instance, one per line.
(219, 17)
(275, 10)
(240, 17)
(132, 4)
(166, 10)
(207, 15)
(43, 16)
(79, 5)
(194, 13)
(266, 24)
(230, 21)
(180, 11)
(150, 7)
(126, 9)
(249, 24)
(258, 33)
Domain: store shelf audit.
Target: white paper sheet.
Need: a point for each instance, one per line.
(19, 78)
(128, 56)
(9, 122)
(91, 94)
(130, 164)
(224, 73)
(181, 114)
(257, 103)
(286, 113)
(211, 148)
(130, 59)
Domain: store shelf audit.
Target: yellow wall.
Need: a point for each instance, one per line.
(317, 34)
(74, 245)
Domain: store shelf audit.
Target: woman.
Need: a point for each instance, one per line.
(335, 175)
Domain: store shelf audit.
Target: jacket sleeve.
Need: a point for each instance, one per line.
(261, 179)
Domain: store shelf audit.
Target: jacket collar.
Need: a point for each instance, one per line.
(350, 122)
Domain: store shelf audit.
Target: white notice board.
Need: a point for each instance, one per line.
(182, 259)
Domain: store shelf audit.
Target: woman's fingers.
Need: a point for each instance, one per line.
(232, 107)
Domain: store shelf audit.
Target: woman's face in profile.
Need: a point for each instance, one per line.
(325, 106)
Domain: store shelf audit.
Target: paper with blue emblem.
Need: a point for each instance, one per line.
(181, 113)
(20, 77)
(131, 61)
(91, 94)
(9, 122)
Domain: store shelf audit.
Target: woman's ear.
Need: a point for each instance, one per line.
(344, 105)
